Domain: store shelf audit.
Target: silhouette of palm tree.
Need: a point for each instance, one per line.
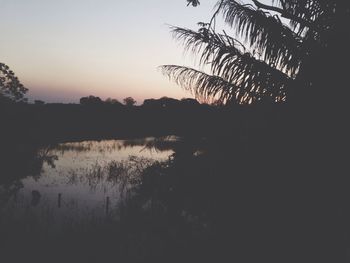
(283, 48)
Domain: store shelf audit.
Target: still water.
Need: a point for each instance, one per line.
(80, 181)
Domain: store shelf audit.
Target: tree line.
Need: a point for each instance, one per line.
(130, 101)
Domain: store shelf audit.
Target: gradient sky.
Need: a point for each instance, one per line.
(65, 49)
(62, 49)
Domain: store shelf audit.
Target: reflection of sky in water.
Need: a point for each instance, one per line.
(81, 177)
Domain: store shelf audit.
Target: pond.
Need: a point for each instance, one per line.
(79, 181)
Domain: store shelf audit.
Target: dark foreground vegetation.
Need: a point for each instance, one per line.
(251, 193)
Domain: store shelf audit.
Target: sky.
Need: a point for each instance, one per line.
(63, 50)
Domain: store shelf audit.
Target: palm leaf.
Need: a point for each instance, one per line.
(277, 43)
(206, 87)
(228, 59)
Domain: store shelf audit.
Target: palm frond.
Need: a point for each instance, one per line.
(275, 53)
(227, 58)
(206, 87)
(308, 10)
(263, 32)
(202, 85)
(313, 12)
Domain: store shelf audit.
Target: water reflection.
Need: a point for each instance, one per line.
(79, 181)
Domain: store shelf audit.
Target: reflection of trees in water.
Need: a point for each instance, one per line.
(25, 160)
(167, 143)
(45, 155)
(152, 143)
(20, 162)
(154, 212)
(87, 146)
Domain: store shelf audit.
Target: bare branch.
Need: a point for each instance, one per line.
(215, 14)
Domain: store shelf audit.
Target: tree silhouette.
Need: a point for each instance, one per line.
(282, 49)
(111, 101)
(10, 87)
(90, 100)
(129, 101)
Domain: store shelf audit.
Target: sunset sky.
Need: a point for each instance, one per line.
(63, 50)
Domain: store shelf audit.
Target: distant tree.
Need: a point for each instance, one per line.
(10, 87)
(111, 101)
(90, 100)
(149, 102)
(163, 102)
(129, 101)
(168, 102)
